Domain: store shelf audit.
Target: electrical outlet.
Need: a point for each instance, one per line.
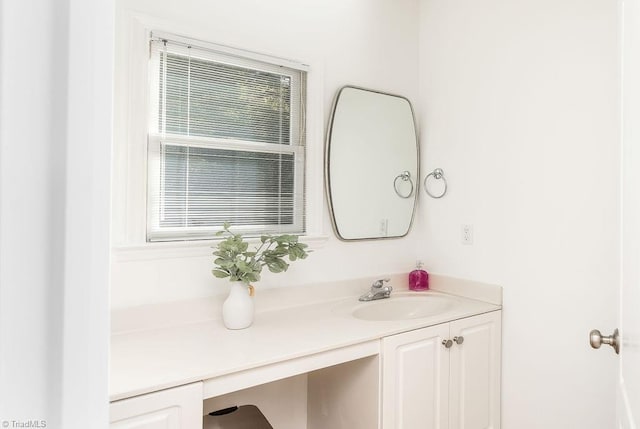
(384, 227)
(467, 234)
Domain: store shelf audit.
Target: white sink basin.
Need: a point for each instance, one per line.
(402, 307)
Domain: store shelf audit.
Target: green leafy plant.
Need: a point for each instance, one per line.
(235, 261)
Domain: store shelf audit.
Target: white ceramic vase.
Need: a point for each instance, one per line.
(238, 308)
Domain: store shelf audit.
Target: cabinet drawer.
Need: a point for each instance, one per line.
(177, 408)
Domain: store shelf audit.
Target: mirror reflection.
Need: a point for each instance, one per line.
(371, 164)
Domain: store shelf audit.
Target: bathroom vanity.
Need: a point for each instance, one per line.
(316, 358)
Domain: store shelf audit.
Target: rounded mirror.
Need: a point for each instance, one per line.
(371, 164)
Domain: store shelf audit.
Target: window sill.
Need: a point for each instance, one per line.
(188, 249)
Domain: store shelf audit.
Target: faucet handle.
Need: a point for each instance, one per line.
(379, 283)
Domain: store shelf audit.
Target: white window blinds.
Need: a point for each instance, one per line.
(226, 144)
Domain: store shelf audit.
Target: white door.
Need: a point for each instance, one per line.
(628, 397)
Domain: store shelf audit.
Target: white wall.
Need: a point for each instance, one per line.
(367, 43)
(519, 106)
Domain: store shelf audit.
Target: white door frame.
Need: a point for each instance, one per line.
(85, 383)
(628, 395)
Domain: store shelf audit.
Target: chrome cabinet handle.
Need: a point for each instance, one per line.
(447, 343)
(596, 339)
(458, 340)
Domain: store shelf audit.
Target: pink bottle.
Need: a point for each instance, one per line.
(418, 278)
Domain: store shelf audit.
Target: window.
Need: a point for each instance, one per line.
(226, 142)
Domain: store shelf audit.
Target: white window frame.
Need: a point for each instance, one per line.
(223, 55)
(131, 118)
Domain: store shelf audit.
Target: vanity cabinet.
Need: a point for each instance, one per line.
(176, 408)
(443, 377)
(332, 368)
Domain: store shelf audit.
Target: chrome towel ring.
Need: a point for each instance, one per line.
(437, 174)
(405, 176)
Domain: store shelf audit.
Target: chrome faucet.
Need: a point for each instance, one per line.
(378, 291)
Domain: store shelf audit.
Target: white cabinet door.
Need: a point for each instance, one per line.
(177, 408)
(426, 385)
(474, 398)
(415, 379)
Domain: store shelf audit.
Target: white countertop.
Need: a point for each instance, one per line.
(149, 358)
